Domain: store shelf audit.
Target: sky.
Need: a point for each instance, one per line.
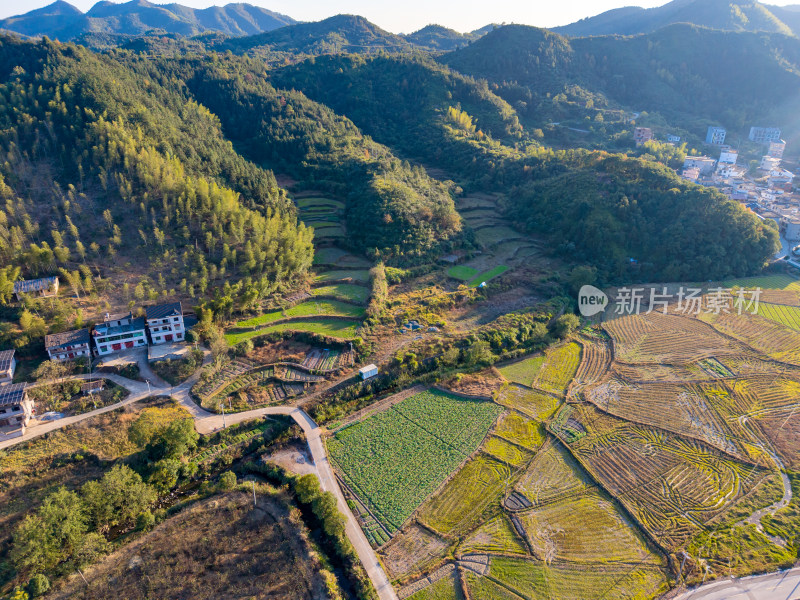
(409, 15)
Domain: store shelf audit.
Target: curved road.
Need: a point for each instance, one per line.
(783, 585)
(207, 422)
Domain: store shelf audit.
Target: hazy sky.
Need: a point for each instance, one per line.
(408, 15)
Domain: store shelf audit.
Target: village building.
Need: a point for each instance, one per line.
(68, 345)
(776, 149)
(119, 332)
(165, 323)
(764, 135)
(716, 136)
(770, 163)
(704, 164)
(673, 139)
(16, 408)
(790, 228)
(37, 288)
(368, 372)
(642, 135)
(8, 365)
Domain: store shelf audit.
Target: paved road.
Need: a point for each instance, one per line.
(207, 422)
(784, 585)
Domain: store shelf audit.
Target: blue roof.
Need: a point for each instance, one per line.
(34, 285)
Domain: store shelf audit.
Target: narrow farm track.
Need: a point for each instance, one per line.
(207, 422)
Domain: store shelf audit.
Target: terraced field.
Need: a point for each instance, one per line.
(334, 328)
(321, 307)
(393, 460)
(559, 368)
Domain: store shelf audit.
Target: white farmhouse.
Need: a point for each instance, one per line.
(165, 323)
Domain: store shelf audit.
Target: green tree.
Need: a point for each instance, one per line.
(227, 481)
(565, 325)
(39, 585)
(164, 475)
(117, 498)
(307, 488)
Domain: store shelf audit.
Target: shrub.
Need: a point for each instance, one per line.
(227, 480)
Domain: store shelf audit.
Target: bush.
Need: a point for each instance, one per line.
(145, 521)
(38, 585)
(227, 481)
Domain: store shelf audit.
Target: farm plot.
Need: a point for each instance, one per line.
(336, 257)
(595, 363)
(559, 368)
(773, 339)
(521, 431)
(537, 405)
(490, 236)
(487, 276)
(326, 232)
(684, 409)
(671, 485)
(393, 460)
(768, 282)
(209, 384)
(505, 451)
(495, 536)
(586, 529)
(524, 371)
(660, 338)
(410, 550)
(444, 589)
(788, 316)
(312, 308)
(538, 581)
(455, 507)
(322, 360)
(344, 292)
(552, 475)
(359, 275)
(306, 203)
(462, 272)
(341, 329)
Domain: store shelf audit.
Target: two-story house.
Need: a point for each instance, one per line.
(68, 345)
(119, 332)
(16, 408)
(165, 323)
(7, 365)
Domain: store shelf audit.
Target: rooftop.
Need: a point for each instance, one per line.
(34, 285)
(6, 356)
(66, 338)
(104, 329)
(12, 394)
(161, 311)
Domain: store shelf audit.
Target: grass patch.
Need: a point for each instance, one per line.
(361, 275)
(321, 224)
(488, 275)
(524, 371)
(310, 308)
(346, 292)
(335, 328)
(444, 589)
(396, 458)
(766, 282)
(489, 236)
(462, 272)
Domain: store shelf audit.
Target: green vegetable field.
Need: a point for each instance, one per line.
(395, 459)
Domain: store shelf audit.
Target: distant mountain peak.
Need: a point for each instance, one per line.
(742, 15)
(63, 21)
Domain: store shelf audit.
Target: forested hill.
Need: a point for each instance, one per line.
(713, 14)
(63, 21)
(340, 33)
(689, 74)
(115, 163)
